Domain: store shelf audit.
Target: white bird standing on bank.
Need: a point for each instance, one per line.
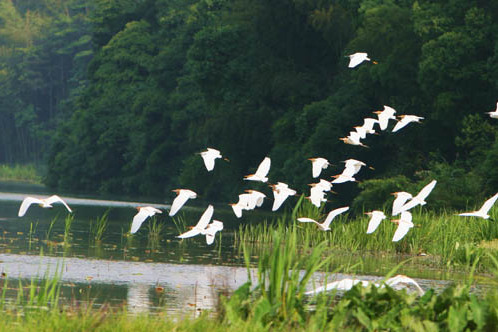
(201, 224)
(183, 195)
(401, 198)
(384, 116)
(43, 202)
(281, 192)
(483, 211)
(420, 198)
(404, 225)
(325, 226)
(357, 58)
(397, 282)
(317, 165)
(144, 212)
(375, 219)
(494, 114)
(261, 172)
(405, 120)
(211, 230)
(209, 156)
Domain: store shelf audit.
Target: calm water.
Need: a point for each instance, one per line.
(141, 271)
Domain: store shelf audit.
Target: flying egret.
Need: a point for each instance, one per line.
(256, 199)
(494, 114)
(405, 120)
(353, 139)
(404, 225)
(341, 178)
(317, 196)
(144, 212)
(242, 204)
(375, 218)
(361, 131)
(397, 282)
(211, 230)
(317, 165)
(209, 156)
(368, 124)
(183, 195)
(325, 226)
(420, 198)
(384, 116)
(201, 224)
(280, 193)
(357, 58)
(261, 172)
(43, 202)
(483, 211)
(401, 198)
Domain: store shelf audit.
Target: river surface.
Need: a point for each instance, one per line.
(142, 271)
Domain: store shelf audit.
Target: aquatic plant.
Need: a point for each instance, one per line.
(98, 227)
(68, 221)
(155, 228)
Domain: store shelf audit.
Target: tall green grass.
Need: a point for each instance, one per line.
(444, 236)
(98, 227)
(25, 173)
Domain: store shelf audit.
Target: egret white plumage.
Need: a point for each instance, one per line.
(494, 114)
(183, 195)
(318, 164)
(256, 199)
(404, 225)
(317, 196)
(375, 219)
(144, 212)
(209, 156)
(281, 192)
(405, 120)
(384, 116)
(401, 198)
(201, 224)
(325, 226)
(211, 230)
(397, 282)
(353, 139)
(43, 202)
(261, 172)
(421, 196)
(357, 58)
(368, 125)
(342, 178)
(484, 210)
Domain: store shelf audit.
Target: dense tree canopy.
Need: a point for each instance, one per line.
(125, 92)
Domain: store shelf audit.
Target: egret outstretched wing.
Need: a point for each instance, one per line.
(332, 214)
(183, 196)
(375, 220)
(54, 199)
(139, 218)
(26, 203)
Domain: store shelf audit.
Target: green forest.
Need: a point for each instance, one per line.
(119, 96)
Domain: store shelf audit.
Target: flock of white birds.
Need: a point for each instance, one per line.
(252, 199)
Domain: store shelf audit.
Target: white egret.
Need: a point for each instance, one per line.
(281, 192)
(353, 139)
(201, 224)
(256, 199)
(397, 282)
(483, 211)
(494, 114)
(384, 116)
(43, 202)
(375, 219)
(317, 165)
(211, 230)
(357, 58)
(242, 204)
(401, 198)
(325, 226)
(368, 124)
(420, 198)
(405, 120)
(144, 212)
(183, 195)
(261, 172)
(361, 131)
(404, 225)
(209, 156)
(341, 178)
(317, 196)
